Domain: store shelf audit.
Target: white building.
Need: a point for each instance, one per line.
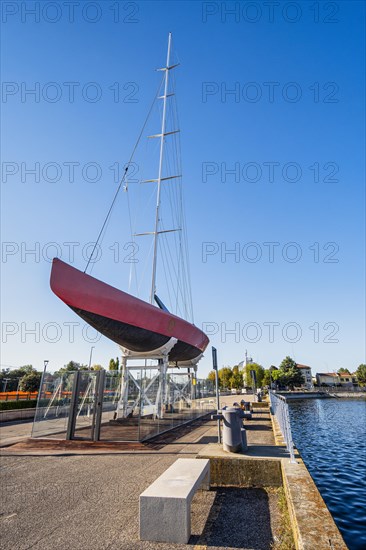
(306, 373)
(247, 361)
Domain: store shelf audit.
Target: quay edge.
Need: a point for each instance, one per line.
(312, 523)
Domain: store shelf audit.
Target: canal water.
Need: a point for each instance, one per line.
(331, 437)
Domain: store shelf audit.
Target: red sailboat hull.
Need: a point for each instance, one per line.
(128, 321)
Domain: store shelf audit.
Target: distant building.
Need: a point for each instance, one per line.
(335, 379)
(346, 379)
(326, 378)
(306, 373)
(247, 380)
(247, 361)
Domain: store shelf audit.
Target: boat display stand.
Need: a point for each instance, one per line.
(155, 396)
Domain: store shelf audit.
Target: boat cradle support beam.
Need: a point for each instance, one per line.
(161, 355)
(162, 393)
(123, 400)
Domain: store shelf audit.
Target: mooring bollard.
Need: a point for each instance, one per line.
(245, 406)
(233, 434)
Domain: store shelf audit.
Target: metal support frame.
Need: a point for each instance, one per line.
(180, 392)
(57, 392)
(73, 407)
(162, 394)
(161, 356)
(89, 392)
(158, 406)
(95, 388)
(98, 409)
(123, 400)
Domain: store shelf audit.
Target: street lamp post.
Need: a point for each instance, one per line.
(90, 357)
(214, 365)
(43, 381)
(45, 363)
(17, 397)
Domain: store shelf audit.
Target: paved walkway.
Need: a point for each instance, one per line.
(11, 432)
(81, 502)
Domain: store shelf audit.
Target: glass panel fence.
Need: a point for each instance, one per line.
(120, 416)
(85, 404)
(53, 405)
(137, 407)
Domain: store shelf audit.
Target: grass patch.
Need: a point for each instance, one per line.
(21, 404)
(284, 539)
(25, 404)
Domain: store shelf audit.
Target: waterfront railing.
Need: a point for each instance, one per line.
(279, 409)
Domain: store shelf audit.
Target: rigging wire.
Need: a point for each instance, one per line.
(174, 196)
(124, 176)
(133, 270)
(174, 252)
(183, 236)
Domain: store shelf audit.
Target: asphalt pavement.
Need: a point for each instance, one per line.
(83, 502)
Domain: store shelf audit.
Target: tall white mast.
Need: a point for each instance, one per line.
(162, 137)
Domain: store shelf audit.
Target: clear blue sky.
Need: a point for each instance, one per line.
(293, 131)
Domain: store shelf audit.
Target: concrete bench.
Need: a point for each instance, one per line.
(165, 506)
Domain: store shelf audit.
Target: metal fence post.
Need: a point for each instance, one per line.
(98, 404)
(73, 407)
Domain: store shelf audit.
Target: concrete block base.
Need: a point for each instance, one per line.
(242, 470)
(165, 506)
(163, 520)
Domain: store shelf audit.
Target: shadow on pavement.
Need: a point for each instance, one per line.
(207, 439)
(239, 518)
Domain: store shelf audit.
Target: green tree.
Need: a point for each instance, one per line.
(287, 364)
(289, 375)
(114, 364)
(96, 367)
(343, 371)
(10, 378)
(71, 367)
(259, 371)
(27, 369)
(9, 382)
(266, 378)
(279, 377)
(30, 382)
(211, 376)
(236, 381)
(225, 374)
(361, 374)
